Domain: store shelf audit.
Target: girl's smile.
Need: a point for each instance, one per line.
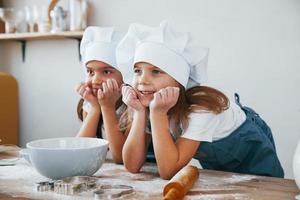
(149, 79)
(145, 93)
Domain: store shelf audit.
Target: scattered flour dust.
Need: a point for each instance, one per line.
(20, 181)
(220, 197)
(239, 178)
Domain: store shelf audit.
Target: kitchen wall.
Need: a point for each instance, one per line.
(254, 50)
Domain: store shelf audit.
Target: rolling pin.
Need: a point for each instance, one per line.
(180, 184)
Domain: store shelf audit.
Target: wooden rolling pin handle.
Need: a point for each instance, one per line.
(172, 194)
(180, 184)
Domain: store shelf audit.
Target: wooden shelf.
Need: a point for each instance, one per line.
(37, 36)
(23, 37)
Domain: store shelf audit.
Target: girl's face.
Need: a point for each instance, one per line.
(98, 72)
(149, 79)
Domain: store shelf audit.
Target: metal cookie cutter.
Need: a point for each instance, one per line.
(112, 191)
(44, 186)
(73, 185)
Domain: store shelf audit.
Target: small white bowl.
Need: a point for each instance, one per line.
(25, 154)
(57, 158)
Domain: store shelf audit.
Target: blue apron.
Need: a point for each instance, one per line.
(249, 149)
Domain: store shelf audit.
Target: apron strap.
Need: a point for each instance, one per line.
(237, 99)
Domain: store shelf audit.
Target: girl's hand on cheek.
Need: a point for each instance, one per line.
(109, 94)
(84, 90)
(164, 99)
(130, 98)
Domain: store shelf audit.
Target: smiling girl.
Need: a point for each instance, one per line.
(186, 119)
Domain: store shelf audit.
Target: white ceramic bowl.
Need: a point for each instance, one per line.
(57, 158)
(25, 154)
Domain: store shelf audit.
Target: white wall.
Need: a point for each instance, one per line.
(254, 50)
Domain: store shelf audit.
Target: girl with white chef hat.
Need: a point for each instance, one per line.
(101, 104)
(187, 119)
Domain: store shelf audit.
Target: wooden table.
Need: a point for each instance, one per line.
(18, 182)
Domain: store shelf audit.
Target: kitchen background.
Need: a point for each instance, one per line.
(254, 50)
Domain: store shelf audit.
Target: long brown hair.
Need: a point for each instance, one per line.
(195, 99)
(80, 109)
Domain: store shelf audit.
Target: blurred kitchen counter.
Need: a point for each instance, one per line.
(19, 182)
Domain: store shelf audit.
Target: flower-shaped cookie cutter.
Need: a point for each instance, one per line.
(73, 185)
(112, 191)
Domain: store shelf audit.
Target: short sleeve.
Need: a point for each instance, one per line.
(201, 127)
(86, 106)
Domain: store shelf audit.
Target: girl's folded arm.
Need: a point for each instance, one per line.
(170, 156)
(90, 123)
(175, 156)
(115, 137)
(136, 144)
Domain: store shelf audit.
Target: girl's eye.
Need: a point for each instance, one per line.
(156, 71)
(137, 71)
(89, 72)
(107, 72)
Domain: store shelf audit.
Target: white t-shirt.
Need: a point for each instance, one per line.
(87, 107)
(207, 126)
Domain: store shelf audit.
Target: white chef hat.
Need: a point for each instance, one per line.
(174, 52)
(99, 43)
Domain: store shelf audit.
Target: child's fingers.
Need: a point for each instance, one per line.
(100, 94)
(115, 85)
(162, 94)
(176, 92)
(131, 96)
(130, 89)
(82, 90)
(110, 85)
(104, 87)
(129, 93)
(86, 93)
(171, 92)
(165, 93)
(157, 96)
(124, 90)
(78, 86)
(125, 94)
